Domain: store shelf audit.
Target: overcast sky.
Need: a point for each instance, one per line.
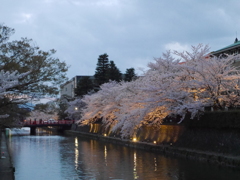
(131, 32)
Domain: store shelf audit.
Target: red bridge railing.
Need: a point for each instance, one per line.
(33, 122)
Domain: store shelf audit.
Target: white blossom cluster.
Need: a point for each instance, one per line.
(74, 108)
(172, 86)
(9, 80)
(37, 115)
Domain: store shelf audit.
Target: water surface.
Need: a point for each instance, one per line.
(48, 156)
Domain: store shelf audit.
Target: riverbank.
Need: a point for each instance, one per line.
(6, 166)
(168, 149)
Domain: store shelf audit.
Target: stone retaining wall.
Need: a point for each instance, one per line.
(212, 145)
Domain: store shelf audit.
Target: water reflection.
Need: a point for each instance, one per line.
(76, 153)
(105, 155)
(135, 166)
(75, 158)
(155, 164)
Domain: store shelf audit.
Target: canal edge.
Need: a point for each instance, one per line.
(203, 156)
(7, 169)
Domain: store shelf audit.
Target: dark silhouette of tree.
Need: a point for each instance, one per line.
(129, 75)
(24, 56)
(37, 72)
(101, 70)
(114, 73)
(15, 111)
(84, 86)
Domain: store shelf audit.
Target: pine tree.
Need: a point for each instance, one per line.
(129, 75)
(114, 73)
(84, 86)
(101, 70)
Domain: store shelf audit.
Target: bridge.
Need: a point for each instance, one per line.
(61, 125)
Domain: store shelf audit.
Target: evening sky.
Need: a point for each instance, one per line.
(131, 32)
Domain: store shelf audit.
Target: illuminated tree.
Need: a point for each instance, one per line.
(171, 87)
(75, 108)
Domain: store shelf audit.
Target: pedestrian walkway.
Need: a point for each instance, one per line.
(6, 166)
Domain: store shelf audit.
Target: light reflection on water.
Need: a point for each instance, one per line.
(55, 157)
(76, 153)
(135, 165)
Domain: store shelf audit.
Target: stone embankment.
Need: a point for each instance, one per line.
(218, 147)
(6, 166)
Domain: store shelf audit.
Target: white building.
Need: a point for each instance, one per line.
(68, 87)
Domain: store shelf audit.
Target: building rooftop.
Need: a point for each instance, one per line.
(236, 44)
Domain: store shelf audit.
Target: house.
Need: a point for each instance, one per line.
(69, 87)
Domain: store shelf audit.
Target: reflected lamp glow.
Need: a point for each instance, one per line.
(76, 153)
(135, 166)
(105, 154)
(76, 141)
(155, 164)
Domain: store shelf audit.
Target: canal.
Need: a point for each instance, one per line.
(50, 156)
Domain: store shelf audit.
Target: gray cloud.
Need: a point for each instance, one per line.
(131, 32)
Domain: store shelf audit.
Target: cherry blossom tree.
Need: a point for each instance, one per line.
(213, 81)
(192, 82)
(26, 70)
(102, 104)
(46, 71)
(44, 111)
(74, 109)
(8, 81)
(173, 86)
(40, 115)
(117, 105)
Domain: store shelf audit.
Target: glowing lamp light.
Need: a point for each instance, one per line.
(76, 108)
(134, 139)
(105, 135)
(154, 142)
